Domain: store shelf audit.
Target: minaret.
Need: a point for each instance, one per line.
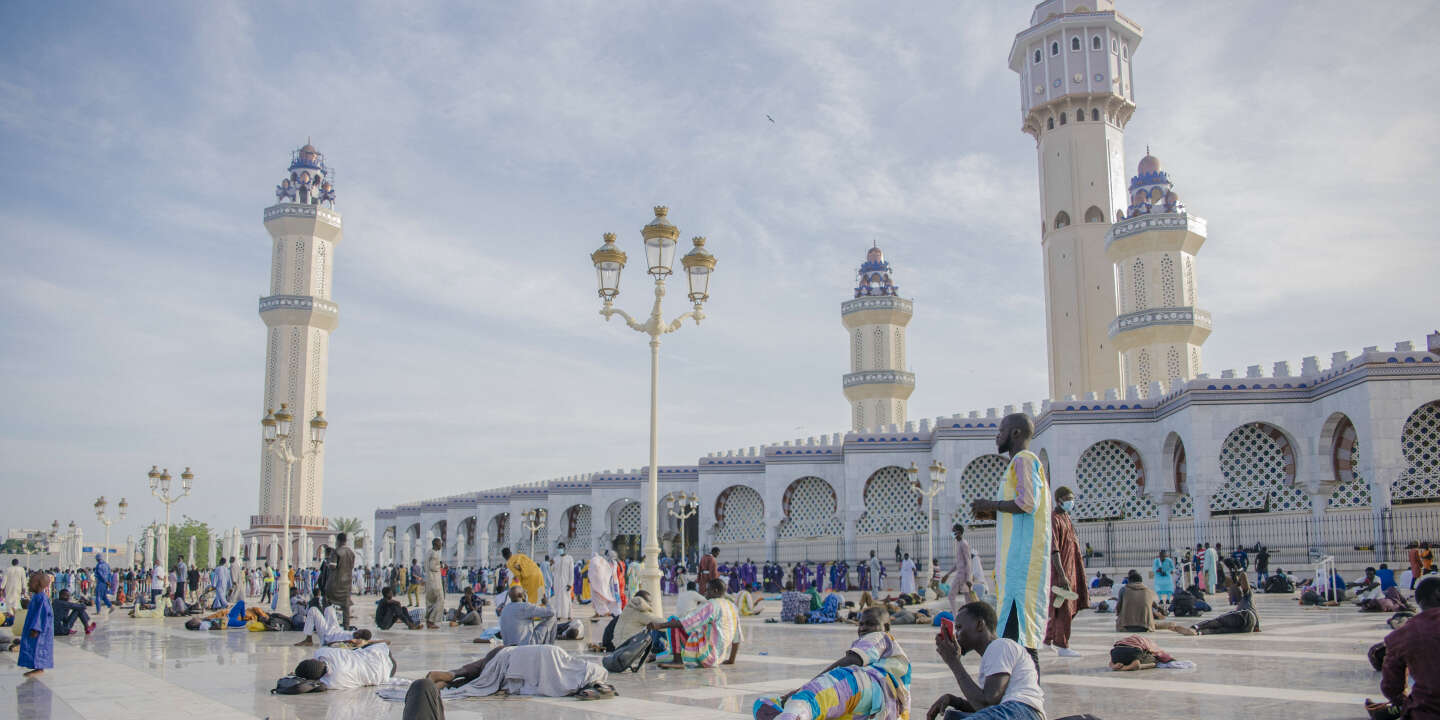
(877, 385)
(1159, 327)
(299, 317)
(1075, 98)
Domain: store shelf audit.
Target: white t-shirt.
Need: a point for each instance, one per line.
(351, 668)
(688, 600)
(1006, 656)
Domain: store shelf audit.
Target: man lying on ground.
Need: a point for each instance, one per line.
(1008, 687)
(345, 666)
(1137, 652)
(537, 670)
(326, 627)
(872, 679)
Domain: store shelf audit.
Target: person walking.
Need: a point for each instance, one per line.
(16, 580)
(959, 575)
(709, 568)
(1067, 572)
(1022, 509)
(1164, 569)
(340, 578)
(434, 586)
(104, 583)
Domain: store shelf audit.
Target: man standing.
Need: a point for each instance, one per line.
(192, 578)
(340, 578)
(1212, 580)
(1262, 566)
(524, 572)
(603, 596)
(1022, 532)
(416, 578)
(434, 587)
(15, 582)
(959, 575)
(562, 569)
(104, 583)
(1067, 572)
(874, 569)
(709, 568)
(221, 584)
(907, 575)
(180, 576)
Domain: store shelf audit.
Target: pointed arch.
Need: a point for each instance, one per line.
(1111, 483)
(890, 505)
(1420, 444)
(1342, 448)
(1257, 461)
(1094, 214)
(980, 479)
(1062, 218)
(810, 509)
(739, 515)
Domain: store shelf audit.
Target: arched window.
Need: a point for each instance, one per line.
(1037, 56)
(1080, 115)
(1054, 48)
(1062, 118)
(1075, 43)
(1114, 46)
(1119, 215)
(1062, 219)
(1125, 51)
(1050, 123)
(1094, 215)
(1095, 43)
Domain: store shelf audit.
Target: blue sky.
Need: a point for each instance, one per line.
(482, 151)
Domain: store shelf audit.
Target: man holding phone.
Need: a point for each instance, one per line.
(1008, 687)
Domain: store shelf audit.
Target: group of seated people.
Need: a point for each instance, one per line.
(67, 613)
(1138, 609)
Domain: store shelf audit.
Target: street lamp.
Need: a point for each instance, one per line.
(937, 483)
(276, 428)
(100, 505)
(160, 488)
(660, 239)
(533, 520)
(69, 556)
(682, 506)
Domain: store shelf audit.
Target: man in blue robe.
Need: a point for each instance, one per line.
(104, 583)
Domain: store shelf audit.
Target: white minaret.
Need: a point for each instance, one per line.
(1075, 98)
(877, 385)
(1159, 326)
(299, 317)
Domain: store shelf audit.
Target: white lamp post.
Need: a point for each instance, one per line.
(937, 483)
(681, 506)
(100, 505)
(277, 428)
(660, 240)
(533, 520)
(160, 488)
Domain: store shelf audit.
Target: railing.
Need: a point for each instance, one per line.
(295, 521)
(879, 377)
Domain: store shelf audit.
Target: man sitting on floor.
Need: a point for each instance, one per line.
(751, 604)
(67, 612)
(523, 623)
(1414, 649)
(707, 634)
(470, 612)
(350, 666)
(1008, 687)
(1137, 609)
(388, 610)
(872, 679)
(536, 670)
(327, 629)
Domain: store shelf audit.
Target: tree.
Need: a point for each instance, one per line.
(352, 527)
(180, 541)
(17, 546)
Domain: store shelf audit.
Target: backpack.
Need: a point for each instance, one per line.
(570, 630)
(296, 685)
(607, 637)
(1184, 605)
(629, 655)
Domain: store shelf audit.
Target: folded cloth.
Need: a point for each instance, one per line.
(1177, 665)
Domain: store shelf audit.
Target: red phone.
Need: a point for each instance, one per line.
(947, 626)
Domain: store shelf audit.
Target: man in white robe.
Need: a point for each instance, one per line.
(602, 587)
(907, 575)
(562, 572)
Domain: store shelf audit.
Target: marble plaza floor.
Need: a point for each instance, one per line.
(1309, 662)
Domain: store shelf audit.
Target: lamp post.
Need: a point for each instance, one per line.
(160, 488)
(532, 520)
(660, 239)
(682, 507)
(100, 506)
(277, 428)
(937, 483)
(67, 561)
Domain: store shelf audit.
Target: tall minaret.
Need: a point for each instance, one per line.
(299, 316)
(877, 385)
(1158, 327)
(1075, 98)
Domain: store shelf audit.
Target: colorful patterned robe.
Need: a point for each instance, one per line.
(879, 689)
(1022, 550)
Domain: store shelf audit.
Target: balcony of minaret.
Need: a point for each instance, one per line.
(295, 219)
(1179, 325)
(1154, 232)
(302, 310)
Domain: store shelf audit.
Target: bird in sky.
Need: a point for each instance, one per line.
(767, 117)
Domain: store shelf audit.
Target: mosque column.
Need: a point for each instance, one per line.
(1163, 510)
(850, 521)
(1202, 517)
(1379, 514)
(1318, 503)
(129, 552)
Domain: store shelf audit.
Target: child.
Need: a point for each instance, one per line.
(37, 641)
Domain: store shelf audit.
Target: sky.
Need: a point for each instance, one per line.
(482, 150)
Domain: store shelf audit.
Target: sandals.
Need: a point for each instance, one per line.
(596, 691)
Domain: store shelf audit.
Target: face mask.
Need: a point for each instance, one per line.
(1067, 505)
(562, 551)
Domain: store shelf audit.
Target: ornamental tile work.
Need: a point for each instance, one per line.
(1258, 465)
(577, 530)
(890, 505)
(981, 479)
(499, 532)
(810, 506)
(739, 515)
(627, 521)
(1111, 482)
(1420, 443)
(1353, 490)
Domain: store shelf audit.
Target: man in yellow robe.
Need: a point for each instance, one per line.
(524, 572)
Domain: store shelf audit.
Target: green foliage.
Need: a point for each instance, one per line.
(351, 526)
(180, 541)
(17, 546)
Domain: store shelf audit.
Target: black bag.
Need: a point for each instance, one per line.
(629, 655)
(607, 638)
(570, 630)
(296, 685)
(1184, 605)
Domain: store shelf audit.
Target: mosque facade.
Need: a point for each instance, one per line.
(1340, 458)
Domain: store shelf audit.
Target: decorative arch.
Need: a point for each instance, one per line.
(576, 521)
(466, 529)
(1339, 441)
(439, 529)
(1045, 462)
(625, 527)
(890, 505)
(1420, 444)
(1111, 480)
(1175, 460)
(498, 531)
(810, 509)
(980, 479)
(1062, 218)
(1094, 214)
(1257, 461)
(739, 515)
(1119, 215)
